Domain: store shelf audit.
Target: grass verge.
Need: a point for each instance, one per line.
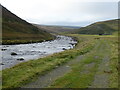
(114, 65)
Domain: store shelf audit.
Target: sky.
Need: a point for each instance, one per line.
(63, 12)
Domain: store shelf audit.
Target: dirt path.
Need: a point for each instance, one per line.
(101, 77)
(50, 77)
(100, 52)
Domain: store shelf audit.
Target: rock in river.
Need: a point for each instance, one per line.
(20, 59)
(1, 63)
(3, 49)
(64, 49)
(13, 53)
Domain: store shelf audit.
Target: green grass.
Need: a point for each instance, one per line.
(81, 74)
(29, 71)
(11, 42)
(114, 65)
(105, 27)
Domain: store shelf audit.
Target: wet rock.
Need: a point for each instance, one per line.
(71, 44)
(64, 49)
(20, 59)
(3, 49)
(6, 46)
(1, 63)
(13, 53)
(33, 46)
(42, 54)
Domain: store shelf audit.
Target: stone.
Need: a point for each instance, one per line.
(13, 53)
(20, 59)
(3, 49)
(1, 63)
(64, 49)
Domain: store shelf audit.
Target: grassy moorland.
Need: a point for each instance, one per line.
(103, 27)
(95, 49)
(16, 30)
(58, 29)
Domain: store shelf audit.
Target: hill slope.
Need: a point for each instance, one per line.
(105, 27)
(14, 28)
(58, 29)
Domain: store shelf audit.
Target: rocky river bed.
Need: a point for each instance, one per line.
(14, 54)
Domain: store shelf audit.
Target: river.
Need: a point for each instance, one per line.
(14, 54)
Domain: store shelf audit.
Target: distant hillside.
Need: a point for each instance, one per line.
(14, 28)
(74, 27)
(105, 27)
(58, 29)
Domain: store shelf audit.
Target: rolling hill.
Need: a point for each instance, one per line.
(58, 29)
(104, 27)
(15, 28)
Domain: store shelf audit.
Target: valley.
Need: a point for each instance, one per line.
(54, 56)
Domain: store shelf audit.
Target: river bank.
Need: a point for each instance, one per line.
(14, 54)
(26, 41)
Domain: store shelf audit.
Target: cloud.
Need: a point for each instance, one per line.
(63, 12)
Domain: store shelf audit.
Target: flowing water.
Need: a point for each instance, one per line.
(14, 54)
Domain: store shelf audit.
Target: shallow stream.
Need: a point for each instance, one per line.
(14, 54)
